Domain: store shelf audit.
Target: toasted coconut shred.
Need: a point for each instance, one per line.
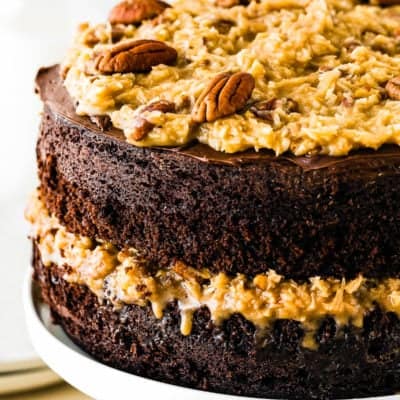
(332, 57)
(121, 278)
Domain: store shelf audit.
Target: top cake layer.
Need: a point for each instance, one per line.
(324, 74)
(244, 213)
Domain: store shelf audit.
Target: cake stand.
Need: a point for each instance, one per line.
(91, 377)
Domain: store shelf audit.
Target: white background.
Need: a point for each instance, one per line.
(33, 33)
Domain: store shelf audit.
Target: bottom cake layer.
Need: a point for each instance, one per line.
(231, 358)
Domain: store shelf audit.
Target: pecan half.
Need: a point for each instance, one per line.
(226, 94)
(135, 11)
(135, 56)
(231, 3)
(265, 109)
(393, 88)
(142, 126)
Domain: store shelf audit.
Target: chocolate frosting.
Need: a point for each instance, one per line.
(50, 87)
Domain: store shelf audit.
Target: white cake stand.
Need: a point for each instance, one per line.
(91, 377)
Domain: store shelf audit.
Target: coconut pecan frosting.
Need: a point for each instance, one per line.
(300, 76)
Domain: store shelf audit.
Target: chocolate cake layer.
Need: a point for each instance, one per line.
(231, 358)
(246, 213)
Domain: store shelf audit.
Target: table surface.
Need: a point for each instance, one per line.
(59, 392)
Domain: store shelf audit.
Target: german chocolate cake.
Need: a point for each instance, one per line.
(219, 199)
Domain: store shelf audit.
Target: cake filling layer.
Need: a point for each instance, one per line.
(122, 277)
(325, 71)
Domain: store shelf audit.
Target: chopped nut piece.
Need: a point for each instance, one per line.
(116, 34)
(231, 3)
(393, 88)
(351, 44)
(135, 11)
(225, 95)
(325, 68)
(91, 39)
(264, 109)
(184, 104)
(142, 126)
(103, 122)
(385, 2)
(135, 56)
(348, 101)
(223, 26)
